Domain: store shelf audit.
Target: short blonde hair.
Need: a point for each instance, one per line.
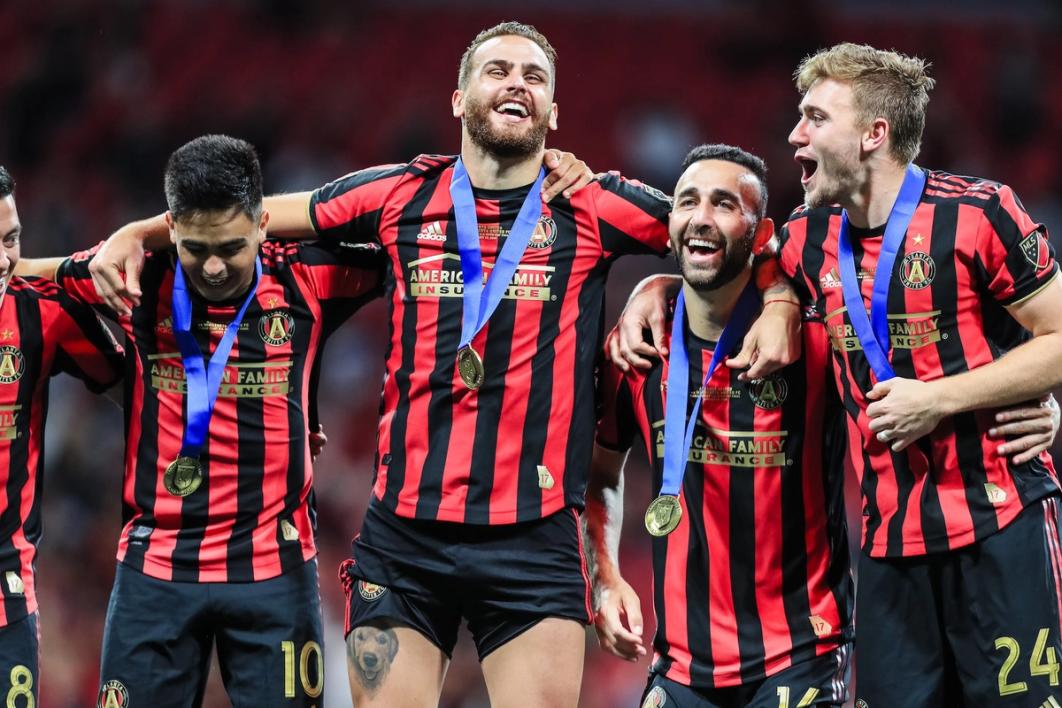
(885, 85)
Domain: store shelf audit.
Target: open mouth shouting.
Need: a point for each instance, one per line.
(808, 167)
(702, 251)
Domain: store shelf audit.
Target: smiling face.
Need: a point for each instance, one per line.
(714, 224)
(10, 237)
(217, 250)
(507, 105)
(828, 138)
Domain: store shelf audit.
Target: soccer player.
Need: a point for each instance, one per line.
(488, 404)
(751, 581)
(42, 332)
(961, 574)
(218, 542)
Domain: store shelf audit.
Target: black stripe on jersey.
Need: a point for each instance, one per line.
(743, 546)
(698, 571)
(579, 456)
(945, 293)
(143, 325)
(496, 358)
(407, 251)
(31, 345)
(793, 526)
(540, 399)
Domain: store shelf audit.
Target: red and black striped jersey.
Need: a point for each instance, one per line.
(970, 250)
(757, 576)
(253, 517)
(43, 331)
(517, 448)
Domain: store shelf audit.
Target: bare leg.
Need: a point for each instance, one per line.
(542, 667)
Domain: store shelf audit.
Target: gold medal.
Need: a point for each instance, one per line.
(663, 515)
(470, 367)
(183, 476)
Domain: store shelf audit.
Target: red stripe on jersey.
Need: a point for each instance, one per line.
(676, 604)
(630, 218)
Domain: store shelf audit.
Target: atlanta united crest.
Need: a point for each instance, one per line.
(917, 270)
(370, 591)
(656, 698)
(544, 235)
(769, 392)
(1036, 251)
(12, 364)
(113, 695)
(276, 327)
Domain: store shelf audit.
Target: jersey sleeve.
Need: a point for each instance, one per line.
(631, 217)
(74, 278)
(791, 239)
(1014, 251)
(349, 208)
(616, 425)
(85, 348)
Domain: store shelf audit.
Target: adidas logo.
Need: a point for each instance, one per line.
(432, 232)
(830, 280)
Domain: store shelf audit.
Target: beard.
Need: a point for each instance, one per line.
(513, 143)
(836, 188)
(735, 259)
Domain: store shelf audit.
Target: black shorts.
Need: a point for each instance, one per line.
(20, 644)
(822, 681)
(977, 626)
(429, 575)
(159, 635)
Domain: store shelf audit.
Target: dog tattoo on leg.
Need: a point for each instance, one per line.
(371, 651)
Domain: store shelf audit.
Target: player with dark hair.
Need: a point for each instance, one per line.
(42, 332)
(218, 542)
(752, 588)
(488, 404)
(960, 594)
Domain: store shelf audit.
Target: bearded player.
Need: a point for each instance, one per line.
(752, 589)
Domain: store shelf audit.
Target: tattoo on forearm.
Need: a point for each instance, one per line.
(371, 651)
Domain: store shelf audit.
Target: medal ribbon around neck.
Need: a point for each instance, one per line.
(873, 332)
(202, 382)
(676, 440)
(481, 300)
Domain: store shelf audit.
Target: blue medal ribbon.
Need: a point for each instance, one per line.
(202, 382)
(873, 332)
(676, 440)
(480, 301)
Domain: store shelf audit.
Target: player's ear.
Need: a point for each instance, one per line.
(764, 234)
(457, 102)
(875, 135)
(262, 222)
(553, 117)
(170, 226)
